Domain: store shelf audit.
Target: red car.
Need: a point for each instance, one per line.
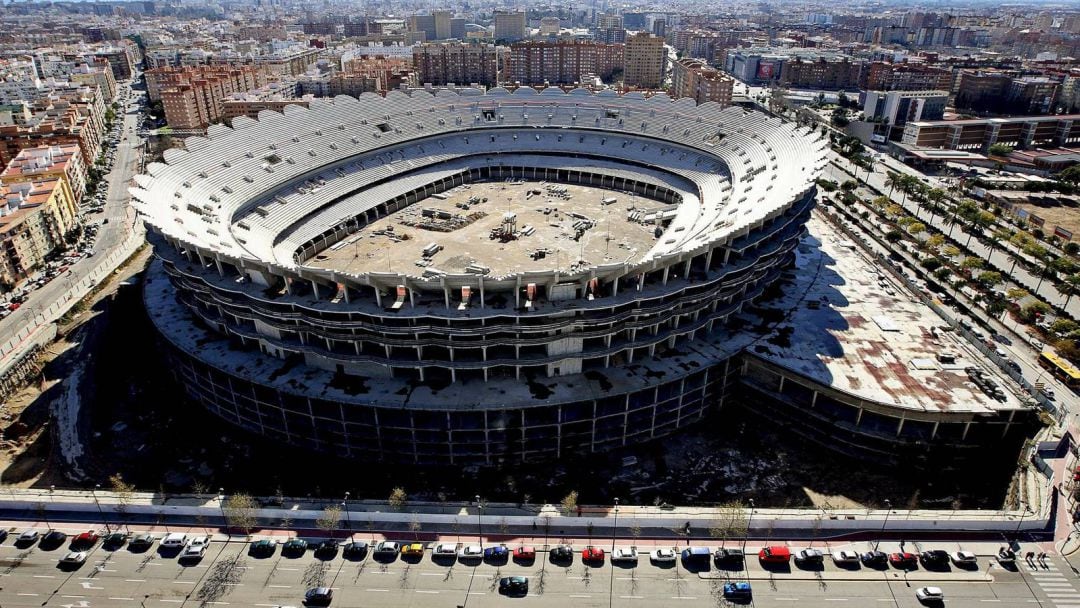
(524, 553)
(86, 539)
(903, 560)
(592, 554)
(775, 555)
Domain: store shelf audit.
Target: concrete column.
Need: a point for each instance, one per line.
(780, 387)
(667, 271)
(967, 427)
(813, 402)
(482, 304)
(446, 295)
(708, 260)
(220, 270)
(315, 288)
(933, 434)
(378, 296)
(900, 427)
(727, 255)
(615, 288)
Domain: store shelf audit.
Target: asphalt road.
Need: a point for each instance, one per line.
(227, 575)
(121, 217)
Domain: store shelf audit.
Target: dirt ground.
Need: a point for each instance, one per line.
(1057, 215)
(135, 422)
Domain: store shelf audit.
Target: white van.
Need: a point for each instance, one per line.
(176, 539)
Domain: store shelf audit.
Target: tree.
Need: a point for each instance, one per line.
(1016, 293)
(916, 228)
(931, 263)
(1034, 310)
(1064, 327)
(942, 274)
(990, 278)
(123, 491)
(1069, 287)
(1000, 149)
(935, 241)
(971, 263)
(398, 498)
(569, 504)
(1072, 248)
(329, 520)
(950, 251)
(839, 118)
(894, 236)
(1071, 175)
(239, 512)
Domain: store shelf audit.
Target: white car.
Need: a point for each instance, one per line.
(471, 552)
(929, 594)
(74, 558)
(964, 558)
(845, 558)
(663, 556)
(624, 555)
(196, 547)
(174, 540)
(445, 549)
(28, 536)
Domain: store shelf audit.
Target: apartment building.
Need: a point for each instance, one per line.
(35, 216)
(886, 76)
(509, 26)
(696, 79)
(442, 63)
(566, 62)
(61, 162)
(977, 135)
(192, 97)
(245, 104)
(644, 60)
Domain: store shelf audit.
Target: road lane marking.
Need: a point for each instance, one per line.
(631, 597)
(836, 599)
(123, 599)
(378, 590)
(432, 574)
(44, 576)
(580, 595)
(134, 580)
(281, 586)
(424, 591)
(677, 597)
(28, 594)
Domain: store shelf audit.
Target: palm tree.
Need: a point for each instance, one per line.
(893, 180)
(1069, 287)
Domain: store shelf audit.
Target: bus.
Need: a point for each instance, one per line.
(1060, 368)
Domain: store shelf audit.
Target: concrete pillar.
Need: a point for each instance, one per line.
(615, 288)
(813, 402)
(900, 427)
(858, 417)
(933, 434)
(220, 270)
(482, 303)
(967, 427)
(667, 271)
(727, 255)
(780, 387)
(378, 296)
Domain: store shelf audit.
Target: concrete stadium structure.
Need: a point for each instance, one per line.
(439, 356)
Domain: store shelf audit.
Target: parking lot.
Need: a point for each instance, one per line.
(232, 573)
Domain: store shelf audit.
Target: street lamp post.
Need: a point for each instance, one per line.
(614, 529)
(749, 520)
(615, 526)
(97, 488)
(221, 505)
(1023, 505)
(345, 507)
(479, 523)
(888, 510)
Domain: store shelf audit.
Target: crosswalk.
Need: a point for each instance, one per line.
(1053, 582)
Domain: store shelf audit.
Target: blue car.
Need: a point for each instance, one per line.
(496, 553)
(737, 591)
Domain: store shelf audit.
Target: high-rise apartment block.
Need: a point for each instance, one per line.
(443, 63)
(562, 62)
(644, 58)
(695, 79)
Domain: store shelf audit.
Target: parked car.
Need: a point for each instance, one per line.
(85, 540)
(562, 553)
(524, 553)
(514, 585)
(174, 540)
(776, 554)
(1006, 556)
(142, 541)
(329, 547)
(964, 558)
(27, 537)
(695, 555)
(845, 558)
(934, 558)
(195, 548)
(810, 556)
(903, 559)
(592, 554)
(264, 547)
(662, 556)
(497, 553)
(624, 555)
(874, 558)
(356, 549)
(114, 540)
(54, 537)
(444, 550)
(387, 547)
(728, 555)
(738, 591)
(471, 552)
(294, 546)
